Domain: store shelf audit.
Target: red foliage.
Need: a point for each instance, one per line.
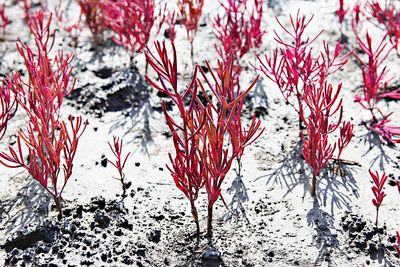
(292, 66)
(4, 19)
(190, 12)
(220, 121)
(51, 144)
(356, 15)
(132, 22)
(187, 167)
(377, 189)
(8, 107)
(398, 185)
(200, 137)
(119, 164)
(95, 19)
(238, 31)
(322, 104)
(375, 87)
(346, 133)
(397, 246)
(341, 12)
(387, 16)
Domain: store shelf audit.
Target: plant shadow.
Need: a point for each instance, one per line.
(375, 142)
(140, 111)
(237, 211)
(325, 240)
(331, 186)
(334, 185)
(290, 173)
(30, 205)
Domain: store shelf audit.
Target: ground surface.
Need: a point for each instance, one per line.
(276, 222)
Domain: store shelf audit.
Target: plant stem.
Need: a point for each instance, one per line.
(196, 218)
(59, 208)
(192, 52)
(376, 220)
(209, 221)
(314, 185)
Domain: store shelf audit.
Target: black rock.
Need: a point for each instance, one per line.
(155, 236)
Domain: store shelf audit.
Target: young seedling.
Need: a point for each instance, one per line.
(219, 118)
(238, 30)
(95, 20)
(51, 142)
(377, 189)
(375, 88)
(321, 104)
(341, 13)
(187, 167)
(292, 65)
(190, 13)
(119, 163)
(388, 17)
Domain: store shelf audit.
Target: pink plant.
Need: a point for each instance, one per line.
(341, 12)
(8, 107)
(219, 120)
(356, 16)
(132, 22)
(292, 66)
(238, 30)
(74, 28)
(398, 185)
(50, 142)
(119, 163)
(201, 135)
(322, 104)
(375, 87)
(397, 246)
(188, 166)
(190, 13)
(95, 19)
(346, 133)
(387, 16)
(377, 189)
(3, 18)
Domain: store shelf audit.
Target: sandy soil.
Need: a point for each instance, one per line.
(273, 219)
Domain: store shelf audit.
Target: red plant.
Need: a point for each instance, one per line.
(4, 19)
(8, 107)
(356, 15)
(51, 144)
(292, 66)
(238, 31)
(375, 87)
(341, 12)
(322, 103)
(397, 246)
(346, 133)
(120, 162)
(377, 189)
(389, 17)
(74, 28)
(398, 185)
(200, 137)
(132, 22)
(219, 121)
(187, 167)
(95, 19)
(190, 12)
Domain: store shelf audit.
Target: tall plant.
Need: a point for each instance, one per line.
(51, 143)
